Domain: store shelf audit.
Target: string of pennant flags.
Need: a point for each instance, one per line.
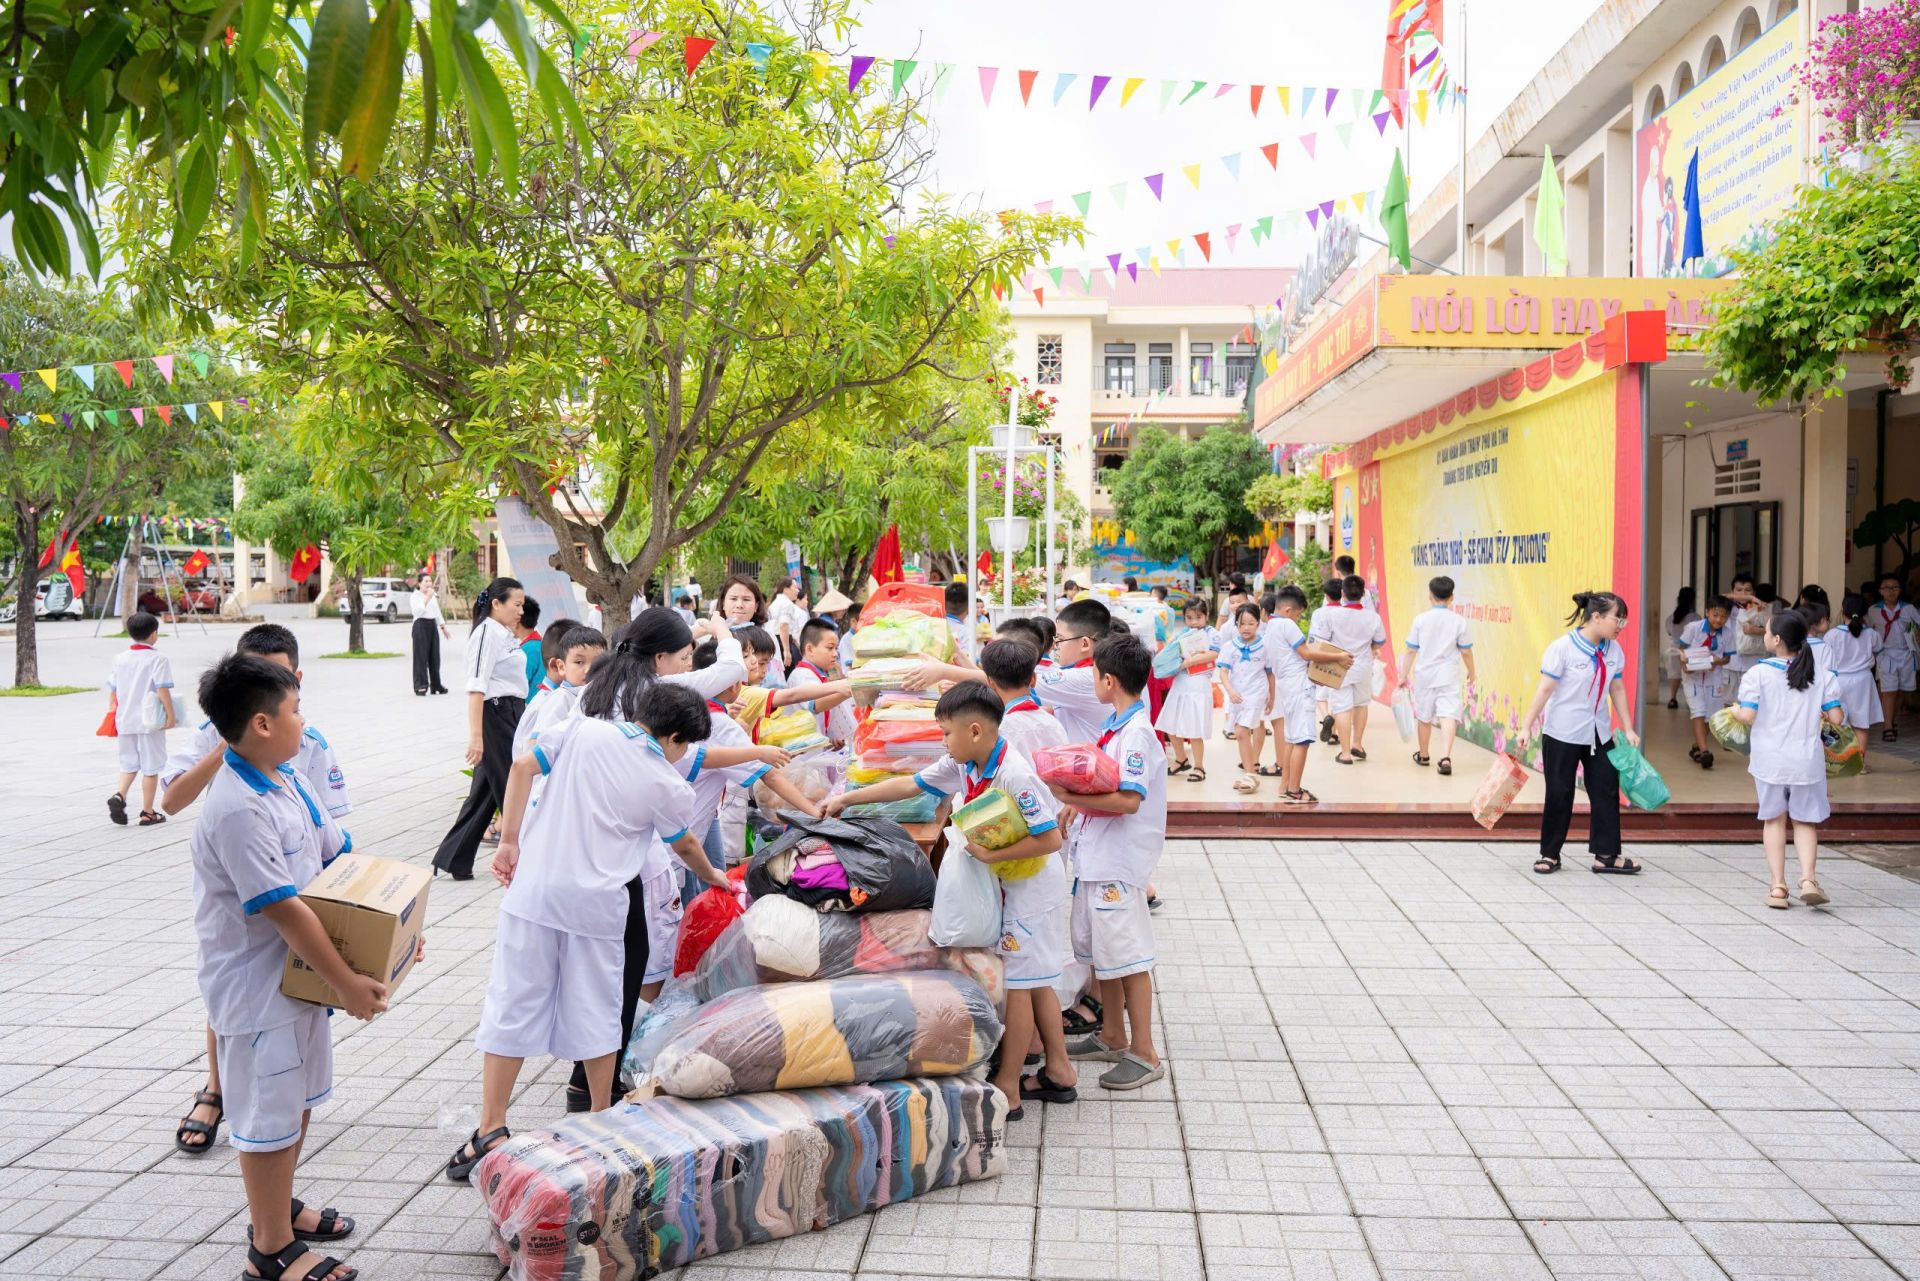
(89, 373)
(936, 79)
(138, 413)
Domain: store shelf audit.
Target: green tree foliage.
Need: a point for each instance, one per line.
(1279, 497)
(1897, 523)
(1186, 498)
(1307, 570)
(727, 275)
(73, 454)
(1838, 274)
(206, 96)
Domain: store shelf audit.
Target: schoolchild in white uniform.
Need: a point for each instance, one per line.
(569, 654)
(260, 837)
(1332, 592)
(1343, 566)
(1749, 621)
(1186, 714)
(1116, 844)
(1358, 630)
(1896, 621)
(1009, 664)
(818, 651)
(141, 689)
(1245, 672)
(1785, 698)
(1676, 623)
(187, 774)
(1293, 692)
(1437, 652)
(1068, 687)
(559, 963)
(1706, 687)
(1033, 910)
(1851, 650)
(496, 690)
(1582, 690)
(957, 625)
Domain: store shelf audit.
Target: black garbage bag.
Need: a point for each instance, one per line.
(886, 870)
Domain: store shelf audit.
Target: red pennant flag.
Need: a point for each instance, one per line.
(1039, 297)
(305, 561)
(697, 48)
(1272, 152)
(1026, 85)
(1202, 239)
(194, 564)
(125, 369)
(166, 414)
(1254, 93)
(46, 557)
(887, 565)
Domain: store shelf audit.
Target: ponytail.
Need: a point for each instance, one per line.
(498, 589)
(619, 677)
(1854, 607)
(1588, 606)
(1790, 628)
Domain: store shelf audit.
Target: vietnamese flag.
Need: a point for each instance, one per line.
(1275, 561)
(195, 564)
(887, 564)
(69, 564)
(305, 561)
(985, 564)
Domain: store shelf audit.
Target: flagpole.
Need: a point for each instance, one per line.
(1459, 81)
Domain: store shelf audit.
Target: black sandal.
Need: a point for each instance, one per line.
(273, 1267)
(334, 1226)
(1546, 865)
(117, 806)
(1077, 1024)
(201, 1099)
(1422, 759)
(1614, 865)
(1267, 771)
(579, 1099)
(1358, 753)
(460, 1167)
(1445, 765)
(1178, 767)
(149, 818)
(1342, 760)
(1044, 1088)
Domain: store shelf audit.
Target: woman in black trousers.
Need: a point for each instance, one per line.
(1582, 691)
(496, 685)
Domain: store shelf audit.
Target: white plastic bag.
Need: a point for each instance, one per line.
(1403, 714)
(966, 899)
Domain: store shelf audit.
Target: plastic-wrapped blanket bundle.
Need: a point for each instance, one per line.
(901, 634)
(643, 1188)
(789, 1036)
(781, 941)
(884, 869)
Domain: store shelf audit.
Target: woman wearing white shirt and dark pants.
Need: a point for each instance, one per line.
(429, 625)
(1582, 689)
(496, 697)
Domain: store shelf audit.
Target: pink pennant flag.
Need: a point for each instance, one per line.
(1100, 84)
(1223, 91)
(987, 76)
(857, 70)
(1307, 141)
(1113, 260)
(1233, 234)
(638, 42)
(139, 415)
(1153, 183)
(1044, 207)
(1133, 271)
(165, 365)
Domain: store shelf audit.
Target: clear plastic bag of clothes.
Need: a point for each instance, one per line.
(1730, 732)
(848, 1031)
(922, 807)
(677, 1000)
(901, 634)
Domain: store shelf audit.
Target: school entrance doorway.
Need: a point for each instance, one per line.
(1734, 539)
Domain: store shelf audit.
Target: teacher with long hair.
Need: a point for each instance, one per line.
(496, 684)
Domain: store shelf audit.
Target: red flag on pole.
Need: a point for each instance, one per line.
(887, 565)
(195, 564)
(305, 561)
(985, 564)
(1275, 561)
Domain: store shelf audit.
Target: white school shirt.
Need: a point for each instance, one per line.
(1893, 624)
(259, 839)
(1578, 711)
(1029, 725)
(421, 605)
(846, 650)
(497, 665)
(1284, 639)
(1126, 847)
(1722, 642)
(1847, 653)
(1786, 729)
(837, 721)
(1010, 770)
(314, 762)
(707, 785)
(1438, 637)
(138, 671)
(555, 704)
(1246, 664)
(610, 791)
(1356, 629)
(1069, 691)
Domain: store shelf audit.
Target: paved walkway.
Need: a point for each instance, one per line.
(1389, 1060)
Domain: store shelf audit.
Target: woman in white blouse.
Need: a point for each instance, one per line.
(496, 685)
(429, 629)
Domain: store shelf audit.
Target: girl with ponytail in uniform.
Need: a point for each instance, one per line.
(1852, 648)
(1784, 699)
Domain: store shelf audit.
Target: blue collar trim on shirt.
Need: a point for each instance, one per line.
(1585, 647)
(314, 734)
(1116, 719)
(1030, 698)
(313, 811)
(250, 773)
(1780, 663)
(992, 768)
(634, 731)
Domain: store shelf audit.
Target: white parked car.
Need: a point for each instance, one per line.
(383, 599)
(52, 599)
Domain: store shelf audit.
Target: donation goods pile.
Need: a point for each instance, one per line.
(821, 1059)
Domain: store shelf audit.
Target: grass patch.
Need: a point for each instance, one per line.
(45, 691)
(371, 653)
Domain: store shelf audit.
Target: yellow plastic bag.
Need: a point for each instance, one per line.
(992, 821)
(900, 634)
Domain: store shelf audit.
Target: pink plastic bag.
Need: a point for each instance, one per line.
(1081, 768)
(1497, 790)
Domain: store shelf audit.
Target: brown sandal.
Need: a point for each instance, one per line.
(1778, 897)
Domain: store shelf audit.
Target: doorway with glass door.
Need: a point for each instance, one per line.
(1732, 540)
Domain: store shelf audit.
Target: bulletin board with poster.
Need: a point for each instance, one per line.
(1112, 562)
(1522, 490)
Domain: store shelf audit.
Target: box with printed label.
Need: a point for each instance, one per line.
(373, 909)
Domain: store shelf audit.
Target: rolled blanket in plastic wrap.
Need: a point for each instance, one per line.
(788, 1036)
(645, 1188)
(781, 941)
(886, 870)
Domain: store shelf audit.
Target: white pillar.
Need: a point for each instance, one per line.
(1823, 495)
(1616, 193)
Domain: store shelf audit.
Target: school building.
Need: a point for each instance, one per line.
(1420, 383)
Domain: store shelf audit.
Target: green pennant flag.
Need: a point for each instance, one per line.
(1379, 96)
(942, 80)
(1550, 218)
(1166, 93)
(200, 361)
(1265, 225)
(1056, 273)
(1346, 134)
(112, 416)
(902, 68)
(1083, 199)
(1393, 216)
(89, 415)
(1198, 85)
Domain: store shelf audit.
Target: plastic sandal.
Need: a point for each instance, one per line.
(117, 806)
(1445, 765)
(1811, 894)
(1245, 785)
(1544, 866)
(1421, 759)
(201, 1098)
(1777, 897)
(1043, 1087)
(273, 1267)
(1614, 865)
(1196, 776)
(460, 1167)
(1358, 753)
(1179, 767)
(149, 818)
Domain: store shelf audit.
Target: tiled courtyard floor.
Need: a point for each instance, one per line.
(1389, 1059)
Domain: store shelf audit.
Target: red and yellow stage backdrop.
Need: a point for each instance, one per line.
(1523, 490)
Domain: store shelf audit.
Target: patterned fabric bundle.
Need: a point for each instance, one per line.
(789, 1036)
(644, 1188)
(885, 869)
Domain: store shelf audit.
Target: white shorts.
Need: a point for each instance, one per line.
(1296, 714)
(662, 893)
(1344, 698)
(551, 993)
(1438, 699)
(1859, 699)
(1705, 693)
(1801, 802)
(1894, 670)
(1034, 948)
(269, 1079)
(1248, 715)
(143, 753)
(1112, 929)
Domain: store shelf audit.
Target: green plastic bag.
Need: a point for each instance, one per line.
(1640, 782)
(1841, 746)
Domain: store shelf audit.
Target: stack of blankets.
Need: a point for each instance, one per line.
(824, 1059)
(899, 736)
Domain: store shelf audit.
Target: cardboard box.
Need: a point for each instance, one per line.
(1326, 675)
(373, 909)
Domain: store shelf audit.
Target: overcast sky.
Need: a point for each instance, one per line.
(1009, 155)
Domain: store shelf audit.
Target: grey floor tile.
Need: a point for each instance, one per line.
(1431, 1249)
(1623, 1250)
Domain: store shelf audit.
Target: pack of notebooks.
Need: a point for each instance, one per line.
(645, 1187)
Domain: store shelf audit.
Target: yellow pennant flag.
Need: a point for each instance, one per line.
(1128, 89)
(51, 377)
(1420, 105)
(46, 418)
(1173, 247)
(1271, 360)
(1286, 98)
(819, 57)
(219, 408)
(1154, 264)
(1193, 175)
(1341, 204)
(1360, 201)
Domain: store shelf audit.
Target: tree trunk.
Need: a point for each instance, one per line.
(130, 570)
(356, 618)
(26, 637)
